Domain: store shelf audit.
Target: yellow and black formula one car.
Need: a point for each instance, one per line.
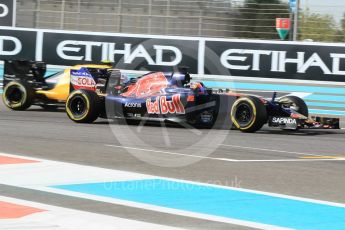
(25, 85)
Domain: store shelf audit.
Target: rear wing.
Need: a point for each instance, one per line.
(23, 70)
(94, 79)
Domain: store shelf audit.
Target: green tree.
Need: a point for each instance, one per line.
(257, 18)
(343, 23)
(318, 27)
(341, 32)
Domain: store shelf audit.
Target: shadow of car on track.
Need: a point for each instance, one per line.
(148, 124)
(46, 109)
(265, 130)
(304, 132)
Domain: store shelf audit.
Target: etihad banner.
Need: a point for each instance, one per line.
(278, 60)
(131, 52)
(211, 56)
(126, 52)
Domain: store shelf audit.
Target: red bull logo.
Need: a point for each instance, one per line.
(162, 106)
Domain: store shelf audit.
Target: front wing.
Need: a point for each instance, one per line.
(311, 123)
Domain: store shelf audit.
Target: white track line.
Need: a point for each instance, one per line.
(271, 150)
(233, 160)
(294, 160)
(171, 153)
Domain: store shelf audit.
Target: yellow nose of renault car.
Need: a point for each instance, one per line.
(25, 85)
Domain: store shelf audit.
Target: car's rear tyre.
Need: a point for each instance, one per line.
(18, 95)
(248, 114)
(298, 103)
(83, 106)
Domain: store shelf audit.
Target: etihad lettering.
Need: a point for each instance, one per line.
(16, 44)
(238, 59)
(163, 106)
(3, 10)
(83, 51)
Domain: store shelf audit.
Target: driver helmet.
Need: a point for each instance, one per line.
(197, 86)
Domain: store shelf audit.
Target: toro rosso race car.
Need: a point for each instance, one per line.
(25, 84)
(159, 96)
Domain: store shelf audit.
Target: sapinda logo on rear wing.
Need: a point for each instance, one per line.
(162, 106)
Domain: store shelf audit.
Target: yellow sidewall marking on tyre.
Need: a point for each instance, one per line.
(254, 113)
(87, 106)
(22, 89)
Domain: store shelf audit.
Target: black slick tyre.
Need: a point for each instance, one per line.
(83, 106)
(18, 95)
(248, 114)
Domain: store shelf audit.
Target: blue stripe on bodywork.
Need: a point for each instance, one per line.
(220, 202)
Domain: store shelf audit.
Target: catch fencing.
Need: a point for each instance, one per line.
(207, 18)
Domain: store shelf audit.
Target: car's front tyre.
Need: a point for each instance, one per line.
(248, 114)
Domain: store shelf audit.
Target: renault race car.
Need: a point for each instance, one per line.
(25, 85)
(159, 96)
